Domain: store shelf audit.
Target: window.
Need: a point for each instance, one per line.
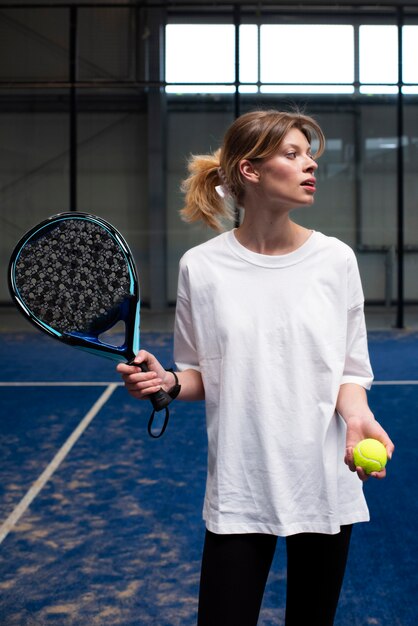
(289, 58)
(193, 57)
(301, 54)
(409, 58)
(378, 59)
(248, 57)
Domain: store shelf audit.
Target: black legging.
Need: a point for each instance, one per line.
(235, 570)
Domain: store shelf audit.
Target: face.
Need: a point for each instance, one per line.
(287, 178)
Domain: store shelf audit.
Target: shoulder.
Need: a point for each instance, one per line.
(199, 264)
(343, 260)
(334, 244)
(335, 248)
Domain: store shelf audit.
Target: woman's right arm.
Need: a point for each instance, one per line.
(140, 384)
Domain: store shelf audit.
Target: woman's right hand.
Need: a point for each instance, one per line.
(141, 384)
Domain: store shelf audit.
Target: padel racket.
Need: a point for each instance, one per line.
(74, 277)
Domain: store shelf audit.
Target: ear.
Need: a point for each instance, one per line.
(248, 171)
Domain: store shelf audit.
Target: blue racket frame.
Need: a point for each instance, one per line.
(128, 309)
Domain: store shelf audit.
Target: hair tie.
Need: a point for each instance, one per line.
(223, 190)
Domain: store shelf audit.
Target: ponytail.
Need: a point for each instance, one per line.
(202, 201)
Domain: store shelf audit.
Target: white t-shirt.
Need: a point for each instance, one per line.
(274, 337)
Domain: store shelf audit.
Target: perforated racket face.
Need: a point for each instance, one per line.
(72, 275)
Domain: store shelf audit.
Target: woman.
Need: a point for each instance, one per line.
(270, 332)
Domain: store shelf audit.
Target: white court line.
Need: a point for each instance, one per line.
(394, 382)
(62, 384)
(26, 501)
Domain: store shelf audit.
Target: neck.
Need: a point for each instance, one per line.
(272, 235)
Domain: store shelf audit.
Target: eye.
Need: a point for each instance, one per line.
(291, 155)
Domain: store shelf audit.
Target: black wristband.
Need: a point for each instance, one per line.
(174, 391)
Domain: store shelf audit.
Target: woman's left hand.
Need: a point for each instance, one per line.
(365, 428)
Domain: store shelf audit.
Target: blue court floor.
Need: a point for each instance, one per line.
(100, 524)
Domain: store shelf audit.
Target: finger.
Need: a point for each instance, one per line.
(143, 385)
(142, 394)
(141, 377)
(143, 357)
(362, 474)
(129, 368)
(384, 438)
(349, 459)
(150, 390)
(124, 368)
(379, 475)
(390, 449)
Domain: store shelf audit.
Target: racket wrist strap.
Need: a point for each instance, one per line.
(172, 393)
(175, 390)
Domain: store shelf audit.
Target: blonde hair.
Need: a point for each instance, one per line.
(254, 135)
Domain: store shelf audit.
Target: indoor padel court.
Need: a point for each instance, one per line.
(127, 117)
(114, 536)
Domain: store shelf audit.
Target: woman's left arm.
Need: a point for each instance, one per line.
(353, 407)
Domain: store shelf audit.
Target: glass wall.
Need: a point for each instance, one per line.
(100, 108)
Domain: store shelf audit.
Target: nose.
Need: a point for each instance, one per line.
(311, 165)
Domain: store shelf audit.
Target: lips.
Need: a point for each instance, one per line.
(310, 183)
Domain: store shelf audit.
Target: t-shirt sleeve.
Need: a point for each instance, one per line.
(357, 368)
(185, 351)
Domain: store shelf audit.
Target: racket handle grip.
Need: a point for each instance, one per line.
(160, 399)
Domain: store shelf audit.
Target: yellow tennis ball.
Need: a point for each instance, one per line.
(371, 455)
